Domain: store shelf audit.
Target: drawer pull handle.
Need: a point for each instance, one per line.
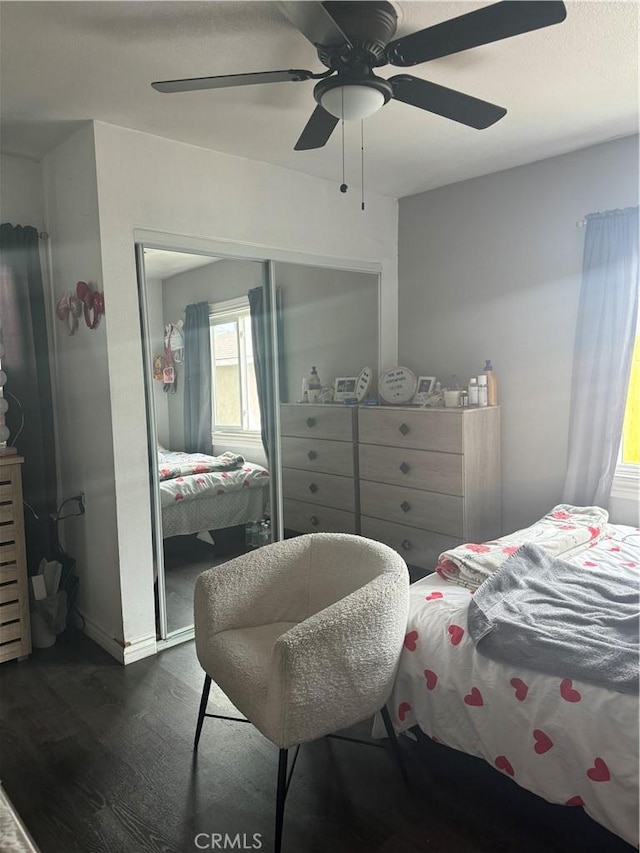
(405, 506)
(314, 520)
(406, 545)
(405, 468)
(312, 455)
(404, 429)
(311, 422)
(313, 488)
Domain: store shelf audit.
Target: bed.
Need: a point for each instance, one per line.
(203, 493)
(563, 738)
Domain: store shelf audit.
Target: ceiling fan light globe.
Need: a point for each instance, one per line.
(352, 102)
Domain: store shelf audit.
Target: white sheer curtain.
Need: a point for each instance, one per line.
(605, 333)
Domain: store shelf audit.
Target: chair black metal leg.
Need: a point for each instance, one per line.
(395, 746)
(282, 793)
(203, 707)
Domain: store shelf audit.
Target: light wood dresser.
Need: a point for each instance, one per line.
(15, 630)
(429, 478)
(319, 468)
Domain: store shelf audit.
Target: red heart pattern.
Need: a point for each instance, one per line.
(410, 641)
(575, 801)
(543, 742)
(520, 687)
(433, 595)
(568, 692)
(403, 710)
(474, 698)
(599, 772)
(456, 633)
(589, 563)
(503, 763)
(432, 678)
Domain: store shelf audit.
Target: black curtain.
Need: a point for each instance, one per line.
(197, 379)
(28, 388)
(263, 355)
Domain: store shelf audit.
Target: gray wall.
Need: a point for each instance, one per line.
(491, 268)
(330, 319)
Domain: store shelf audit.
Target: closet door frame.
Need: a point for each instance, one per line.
(144, 238)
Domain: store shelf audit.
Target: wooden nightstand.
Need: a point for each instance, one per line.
(15, 629)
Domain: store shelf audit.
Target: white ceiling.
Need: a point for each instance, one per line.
(163, 263)
(565, 87)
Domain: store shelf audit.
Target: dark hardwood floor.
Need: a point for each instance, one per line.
(97, 758)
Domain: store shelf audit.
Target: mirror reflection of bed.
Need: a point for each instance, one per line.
(212, 468)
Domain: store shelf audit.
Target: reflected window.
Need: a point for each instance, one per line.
(234, 389)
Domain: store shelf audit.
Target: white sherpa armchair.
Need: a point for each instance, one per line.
(304, 637)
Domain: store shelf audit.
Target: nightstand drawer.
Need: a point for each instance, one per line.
(325, 421)
(421, 429)
(330, 457)
(418, 469)
(417, 547)
(326, 489)
(413, 507)
(307, 518)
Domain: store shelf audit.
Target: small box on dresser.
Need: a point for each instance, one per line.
(319, 468)
(15, 630)
(429, 478)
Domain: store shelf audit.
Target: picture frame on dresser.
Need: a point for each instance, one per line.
(426, 384)
(344, 388)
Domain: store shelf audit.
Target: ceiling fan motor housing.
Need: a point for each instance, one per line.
(368, 25)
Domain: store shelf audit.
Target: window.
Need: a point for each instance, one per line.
(233, 380)
(630, 446)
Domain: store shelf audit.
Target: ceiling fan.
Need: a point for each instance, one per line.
(352, 37)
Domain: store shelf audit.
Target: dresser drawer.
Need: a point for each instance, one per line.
(307, 518)
(417, 469)
(314, 487)
(417, 547)
(421, 429)
(330, 457)
(413, 507)
(326, 421)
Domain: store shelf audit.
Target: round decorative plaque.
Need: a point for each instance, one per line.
(397, 385)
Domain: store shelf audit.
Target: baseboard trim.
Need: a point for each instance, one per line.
(137, 650)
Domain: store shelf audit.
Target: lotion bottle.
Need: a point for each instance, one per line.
(492, 383)
(473, 391)
(482, 390)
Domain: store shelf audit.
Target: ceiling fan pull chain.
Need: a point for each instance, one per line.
(362, 162)
(343, 185)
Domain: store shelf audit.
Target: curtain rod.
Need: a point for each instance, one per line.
(581, 223)
(43, 235)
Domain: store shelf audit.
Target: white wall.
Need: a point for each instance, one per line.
(81, 389)
(21, 198)
(147, 182)
(491, 268)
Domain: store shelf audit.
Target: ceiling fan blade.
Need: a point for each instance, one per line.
(225, 80)
(313, 21)
(317, 130)
(445, 102)
(483, 26)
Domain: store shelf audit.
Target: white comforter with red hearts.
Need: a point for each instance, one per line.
(248, 475)
(567, 741)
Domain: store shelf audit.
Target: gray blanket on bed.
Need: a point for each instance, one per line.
(549, 615)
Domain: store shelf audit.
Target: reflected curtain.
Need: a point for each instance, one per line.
(263, 355)
(605, 331)
(28, 388)
(197, 379)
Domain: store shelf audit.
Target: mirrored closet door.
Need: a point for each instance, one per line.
(330, 337)
(203, 332)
